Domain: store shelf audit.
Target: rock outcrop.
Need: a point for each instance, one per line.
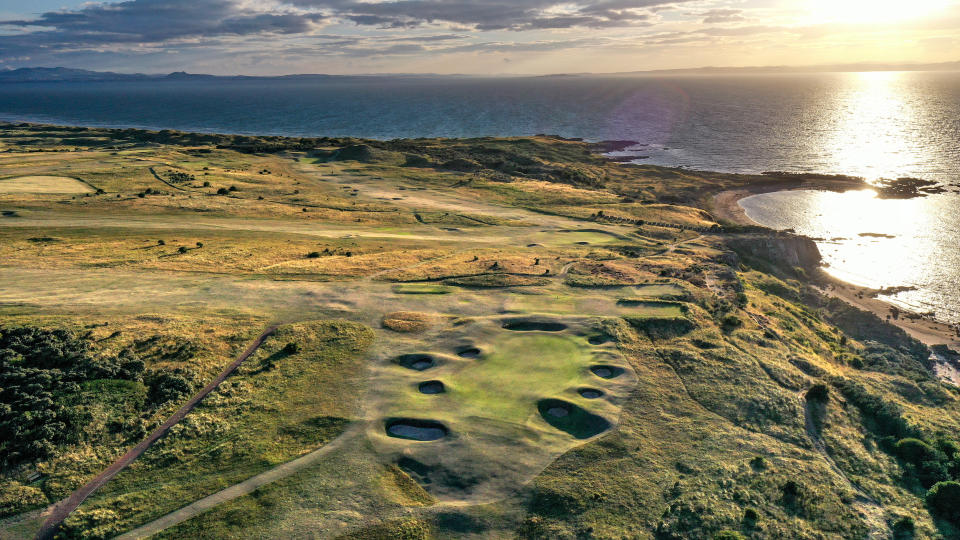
(778, 249)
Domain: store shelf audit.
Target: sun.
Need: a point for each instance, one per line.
(872, 11)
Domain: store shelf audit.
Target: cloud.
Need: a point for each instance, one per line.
(149, 25)
(487, 15)
(723, 16)
(152, 21)
(343, 35)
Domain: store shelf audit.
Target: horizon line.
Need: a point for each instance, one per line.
(783, 68)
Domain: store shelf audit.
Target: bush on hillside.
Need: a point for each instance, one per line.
(944, 500)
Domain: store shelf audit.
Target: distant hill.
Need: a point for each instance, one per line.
(44, 74)
(65, 74)
(865, 66)
(62, 74)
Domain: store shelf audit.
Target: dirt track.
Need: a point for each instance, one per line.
(63, 509)
(243, 488)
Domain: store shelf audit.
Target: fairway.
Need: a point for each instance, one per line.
(651, 308)
(43, 185)
(665, 291)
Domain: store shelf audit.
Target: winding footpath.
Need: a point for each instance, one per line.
(63, 509)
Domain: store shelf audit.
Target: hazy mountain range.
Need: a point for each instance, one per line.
(55, 74)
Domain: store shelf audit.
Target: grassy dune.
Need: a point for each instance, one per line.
(511, 277)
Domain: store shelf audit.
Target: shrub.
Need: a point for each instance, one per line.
(167, 387)
(180, 177)
(182, 249)
(661, 328)
(313, 255)
(161, 243)
(40, 376)
(903, 528)
(16, 498)
(730, 323)
(206, 184)
(291, 348)
(728, 535)
(223, 191)
(818, 392)
(944, 500)
(750, 517)
(233, 188)
(199, 244)
(914, 451)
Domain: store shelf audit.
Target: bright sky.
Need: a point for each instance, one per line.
(470, 36)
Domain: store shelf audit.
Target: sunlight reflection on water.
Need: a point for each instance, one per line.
(871, 129)
(877, 243)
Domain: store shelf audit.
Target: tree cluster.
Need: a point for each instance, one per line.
(41, 373)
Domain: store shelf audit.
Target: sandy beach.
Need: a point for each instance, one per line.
(931, 332)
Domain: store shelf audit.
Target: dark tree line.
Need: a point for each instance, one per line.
(41, 373)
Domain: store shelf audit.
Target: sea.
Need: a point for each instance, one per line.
(872, 124)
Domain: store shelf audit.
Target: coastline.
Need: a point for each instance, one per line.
(923, 328)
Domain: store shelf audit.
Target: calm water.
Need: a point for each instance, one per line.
(870, 124)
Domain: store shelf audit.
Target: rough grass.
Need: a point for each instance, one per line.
(408, 321)
(278, 406)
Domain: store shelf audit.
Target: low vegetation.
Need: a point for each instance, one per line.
(567, 347)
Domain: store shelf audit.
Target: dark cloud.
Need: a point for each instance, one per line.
(150, 25)
(491, 14)
(152, 21)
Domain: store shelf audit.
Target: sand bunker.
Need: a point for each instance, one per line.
(468, 352)
(534, 326)
(418, 362)
(572, 419)
(590, 393)
(417, 430)
(598, 340)
(606, 372)
(431, 387)
(43, 184)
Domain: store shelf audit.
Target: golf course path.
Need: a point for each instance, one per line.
(63, 509)
(243, 488)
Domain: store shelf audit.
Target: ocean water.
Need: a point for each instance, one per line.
(875, 125)
(878, 243)
(883, 124)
